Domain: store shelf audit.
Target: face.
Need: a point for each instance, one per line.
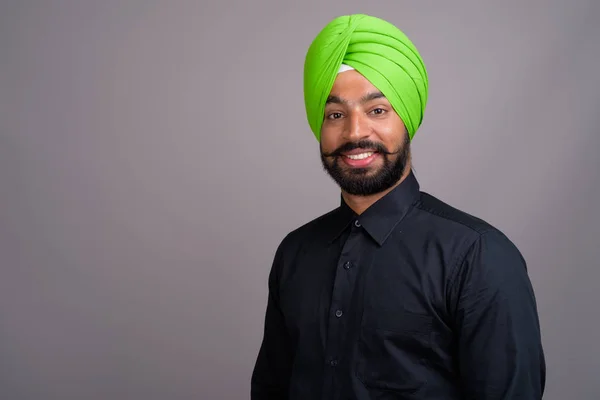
(364, 144)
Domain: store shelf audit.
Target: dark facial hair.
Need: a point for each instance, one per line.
(360, 181)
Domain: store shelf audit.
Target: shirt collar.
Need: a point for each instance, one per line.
(381, 217)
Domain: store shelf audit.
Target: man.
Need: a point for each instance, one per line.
(394, 294)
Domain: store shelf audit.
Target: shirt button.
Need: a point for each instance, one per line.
(339, 313)
(357, 224)
(347, 265)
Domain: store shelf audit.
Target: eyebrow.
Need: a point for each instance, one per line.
(364, 99)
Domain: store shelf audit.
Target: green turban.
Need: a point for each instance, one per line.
(376, 49)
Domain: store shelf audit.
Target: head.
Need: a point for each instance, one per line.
(365, 114)
(364, 144)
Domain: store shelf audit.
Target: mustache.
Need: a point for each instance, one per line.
(364, 144)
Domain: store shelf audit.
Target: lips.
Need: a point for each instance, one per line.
(359, 151)
(359, 158)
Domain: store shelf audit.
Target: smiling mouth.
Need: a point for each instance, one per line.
(360, 156)
(360, 159)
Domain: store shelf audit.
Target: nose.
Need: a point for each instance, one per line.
(357, 127)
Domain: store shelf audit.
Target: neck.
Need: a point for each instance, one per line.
(360, 203)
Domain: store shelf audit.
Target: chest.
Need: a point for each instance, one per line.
(397, 287)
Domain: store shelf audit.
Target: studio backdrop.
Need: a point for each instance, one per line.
(154, 153)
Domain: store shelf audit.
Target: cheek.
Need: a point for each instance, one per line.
(391, 134)
(329, 141)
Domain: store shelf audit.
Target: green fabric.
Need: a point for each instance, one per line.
(380, 52)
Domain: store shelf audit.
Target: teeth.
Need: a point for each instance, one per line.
(360, 156)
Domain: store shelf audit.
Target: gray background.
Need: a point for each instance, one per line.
(153, 154)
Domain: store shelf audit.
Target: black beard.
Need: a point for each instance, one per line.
(358, 181)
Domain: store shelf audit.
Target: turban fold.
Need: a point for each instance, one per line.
(377, 50)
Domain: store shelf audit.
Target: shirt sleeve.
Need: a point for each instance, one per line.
(500, 353)
(272, 370)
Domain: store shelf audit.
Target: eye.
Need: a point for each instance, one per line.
(378, 111)
(335, 115)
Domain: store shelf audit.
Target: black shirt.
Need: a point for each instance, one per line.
(413, 299)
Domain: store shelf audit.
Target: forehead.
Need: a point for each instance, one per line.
(351, 81)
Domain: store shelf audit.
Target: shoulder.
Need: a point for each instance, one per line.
(297, 242)
(485, 256)
(453, 224)
(444, 214)
(317, 230)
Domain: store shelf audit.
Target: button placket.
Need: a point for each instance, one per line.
(340, 300)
